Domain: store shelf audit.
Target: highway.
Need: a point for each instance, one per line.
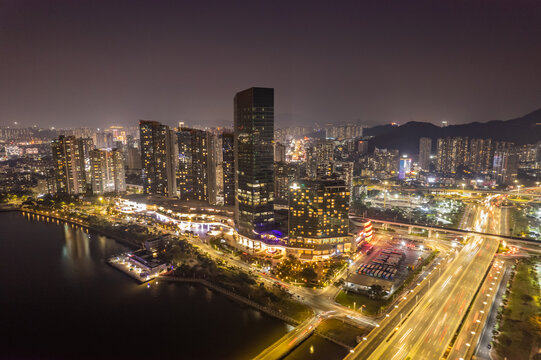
(474, 323)
(431, 325)
(402, 308)
(483, 351)
(426, 333)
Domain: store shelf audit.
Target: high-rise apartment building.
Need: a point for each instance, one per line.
(107, 171)
(284, 174)
(384, 162)
(69, 165)
(184, 169)
(228, 168)
(214, 159)
(88, 145)
(452, 153)
(279, 152)
(133, 158)
(505, 166)
(197, 164)
(362, 147)
(201, 163)
(119, 168)
(318, 216)
(479, 155)
(425, 149)
(254, 161)
(527, 155)
(159, 158)
(104, 140)
(349, 131)
(319, 158)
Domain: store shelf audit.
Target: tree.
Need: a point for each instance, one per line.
(309, 274)
(376, 291)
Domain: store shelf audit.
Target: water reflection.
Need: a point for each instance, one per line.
(316, 347)
(75, 244)
(67, 292)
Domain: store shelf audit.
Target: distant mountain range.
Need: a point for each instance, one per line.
(523, 130)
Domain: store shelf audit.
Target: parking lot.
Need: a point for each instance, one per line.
(388, 263)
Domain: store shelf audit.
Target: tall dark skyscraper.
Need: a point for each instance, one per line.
(159, 157)
(254, 158)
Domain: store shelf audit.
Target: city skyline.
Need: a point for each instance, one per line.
(279, 180)
(117, 62)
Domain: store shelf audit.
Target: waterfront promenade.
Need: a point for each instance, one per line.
(77, 222)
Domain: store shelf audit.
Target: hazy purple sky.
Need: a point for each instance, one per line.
(95, 63)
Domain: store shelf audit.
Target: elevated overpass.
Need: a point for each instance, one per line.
(529, 192)
(356, 220)
(290, 340)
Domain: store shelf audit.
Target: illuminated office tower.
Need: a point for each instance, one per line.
(254, 161)
(69, 165)
(404, 167)
(159, 158)
(318, 216)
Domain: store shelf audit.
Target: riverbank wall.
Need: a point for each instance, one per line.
(233, 296)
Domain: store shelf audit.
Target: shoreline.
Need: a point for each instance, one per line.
(96, 230)
(199, 281)
(195, 281)
(211, 286)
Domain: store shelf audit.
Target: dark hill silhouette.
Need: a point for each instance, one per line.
(523, 130)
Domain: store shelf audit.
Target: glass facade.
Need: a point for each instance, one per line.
(254, 161)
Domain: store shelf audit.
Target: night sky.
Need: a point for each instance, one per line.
(97, 63)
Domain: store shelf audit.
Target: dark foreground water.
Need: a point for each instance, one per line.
(58, 299)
